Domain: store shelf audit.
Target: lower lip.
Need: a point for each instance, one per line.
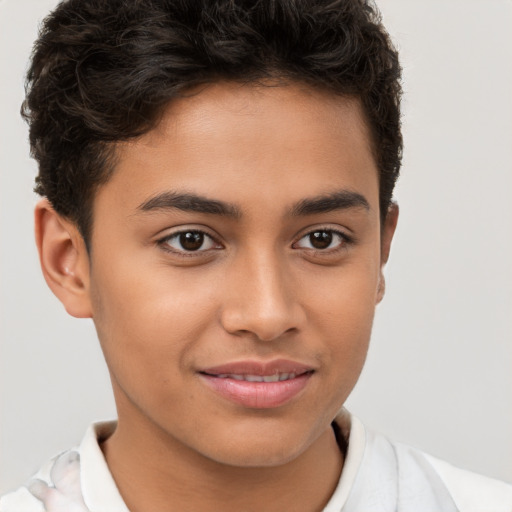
(257, 395)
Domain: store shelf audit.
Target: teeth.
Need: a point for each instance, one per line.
(253, 378)
(258, 378)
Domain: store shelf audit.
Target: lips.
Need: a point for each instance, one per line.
(277, 377)
(256, 384)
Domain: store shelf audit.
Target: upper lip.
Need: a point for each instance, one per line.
(261, 368)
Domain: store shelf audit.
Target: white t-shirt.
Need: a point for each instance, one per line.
(378, 476)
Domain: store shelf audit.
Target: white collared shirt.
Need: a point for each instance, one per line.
(377, 476)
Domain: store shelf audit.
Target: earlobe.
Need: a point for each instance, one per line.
(381, 287)
(64, 259)
(388, 230)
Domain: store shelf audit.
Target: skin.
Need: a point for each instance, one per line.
(258, 291)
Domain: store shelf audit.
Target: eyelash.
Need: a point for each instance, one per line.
(344, 241)
(164, 242)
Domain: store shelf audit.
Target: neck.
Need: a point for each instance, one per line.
(154, 472)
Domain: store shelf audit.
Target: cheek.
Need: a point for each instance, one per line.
(148, 324)
(345, 296)
(342, 310)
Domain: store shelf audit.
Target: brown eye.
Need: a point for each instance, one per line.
(322, 240)
(189, 241)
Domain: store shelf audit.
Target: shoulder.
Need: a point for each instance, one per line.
(55, 488)
(470, 492)
(20, 501)
(473, 492)
(409, 478)
(60, 484)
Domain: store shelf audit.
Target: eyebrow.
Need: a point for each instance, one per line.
(340, 200)
(189, 203)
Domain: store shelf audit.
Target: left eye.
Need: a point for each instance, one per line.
(322, 239)
(190, 241)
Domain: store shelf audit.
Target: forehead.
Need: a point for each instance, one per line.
(295, 112)
(250, 144)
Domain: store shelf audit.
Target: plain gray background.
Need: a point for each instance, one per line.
(438, 374)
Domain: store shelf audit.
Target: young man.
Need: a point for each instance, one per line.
(217, 184)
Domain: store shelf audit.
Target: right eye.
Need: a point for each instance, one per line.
(189, 241)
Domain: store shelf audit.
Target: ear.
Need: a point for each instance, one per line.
(387, 232)
(64, 259)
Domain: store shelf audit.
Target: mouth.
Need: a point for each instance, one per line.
(276, 377)
(258, 385)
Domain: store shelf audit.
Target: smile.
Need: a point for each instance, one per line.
(258, 385)
(258, 378)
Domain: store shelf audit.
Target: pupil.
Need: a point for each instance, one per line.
(321, 239)
(191, 241)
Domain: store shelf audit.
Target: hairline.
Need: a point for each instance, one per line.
(272, 78)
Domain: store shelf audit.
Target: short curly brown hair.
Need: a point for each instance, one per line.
(102, 71)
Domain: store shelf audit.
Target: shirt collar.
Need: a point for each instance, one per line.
(100, 492)
(98, 487)
(353, 430)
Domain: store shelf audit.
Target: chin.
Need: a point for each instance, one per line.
(262, 448)
(259, 458)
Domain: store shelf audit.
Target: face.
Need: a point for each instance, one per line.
(235, 268)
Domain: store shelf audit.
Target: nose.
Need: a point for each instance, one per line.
(261, 299)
